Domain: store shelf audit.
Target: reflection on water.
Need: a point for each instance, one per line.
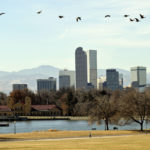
(29, 126)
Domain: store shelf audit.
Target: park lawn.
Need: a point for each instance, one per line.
(51, 134)
(131, 142)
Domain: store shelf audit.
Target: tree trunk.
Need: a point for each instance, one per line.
(106, 124)
(141, 124)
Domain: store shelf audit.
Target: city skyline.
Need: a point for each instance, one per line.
(26, 35)
(113, 79)
(30, 76)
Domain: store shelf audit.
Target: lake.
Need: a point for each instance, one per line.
(34, 125)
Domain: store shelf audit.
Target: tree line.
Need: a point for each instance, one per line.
(118, 107)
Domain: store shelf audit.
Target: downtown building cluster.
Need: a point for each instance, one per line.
(85, 76)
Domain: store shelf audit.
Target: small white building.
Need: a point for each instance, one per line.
(100, 82)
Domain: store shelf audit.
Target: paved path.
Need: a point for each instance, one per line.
(78, 138)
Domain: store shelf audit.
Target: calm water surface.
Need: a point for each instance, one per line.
(29, 126)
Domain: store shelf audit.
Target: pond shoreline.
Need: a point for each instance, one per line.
(28, 118)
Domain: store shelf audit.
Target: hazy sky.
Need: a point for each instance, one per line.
(28, 40)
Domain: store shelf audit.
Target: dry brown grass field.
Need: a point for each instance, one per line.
(128, 142)
(54, 134)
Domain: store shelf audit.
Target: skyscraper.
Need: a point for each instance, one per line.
(138, 77)
(46, 84)
(92, 67)
(112, 79)
(81, 68)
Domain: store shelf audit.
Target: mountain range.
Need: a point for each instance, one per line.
(29, 76)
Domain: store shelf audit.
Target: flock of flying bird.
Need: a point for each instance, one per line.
(107, 16)
(131, 19)
(61, 17)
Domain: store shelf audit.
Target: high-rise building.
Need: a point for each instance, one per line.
(46, 84)
(69, 73)
(92, 67)
(19, 86)
(81, 68)
(112, 79)
(138, 77)
(64, 81)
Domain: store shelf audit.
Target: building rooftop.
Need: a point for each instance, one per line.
(138, 67)
(43, 107)
(4, 108)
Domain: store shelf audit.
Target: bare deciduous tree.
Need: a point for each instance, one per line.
(104, 109)
(135, 107)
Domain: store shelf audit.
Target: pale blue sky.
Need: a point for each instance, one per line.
(28, 40)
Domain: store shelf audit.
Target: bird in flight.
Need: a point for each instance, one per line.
(131, 20)
(78, 18)
(137, 20)
(126, 16)
(107, 16)
(39, 12)
(142, 16)
(61, 17)
(2, 14)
